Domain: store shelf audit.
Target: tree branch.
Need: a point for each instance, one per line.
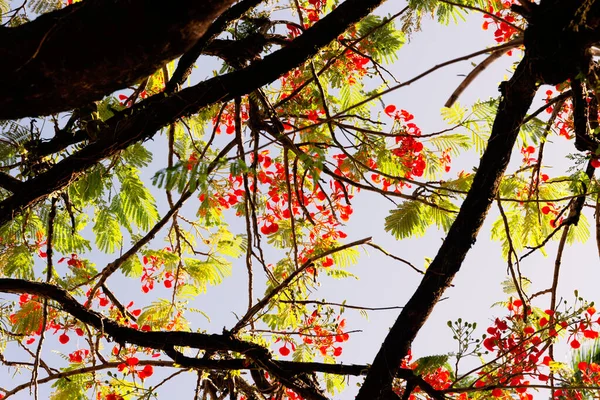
(518, 95)
(10, 183)
(146, 118)
(68, 58)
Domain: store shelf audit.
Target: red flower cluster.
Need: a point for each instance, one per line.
(325, 336)
(78, 355)
(564, 121)
(129, 367)
(409, 150)
(527, 153)
(153, 271)
(503, 32)
(227, 118)
(73, 261)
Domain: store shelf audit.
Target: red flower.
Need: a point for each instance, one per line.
(489, 343)
(545, 210)
(518, 303)
(146, 372)
(575, 344)
(389, 110)
(64, 338)
(529, 330)
(590, 334)
(132, 361)
(591, 311)
(284, 351)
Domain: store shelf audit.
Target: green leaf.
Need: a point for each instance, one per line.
(72, 388)
(456, 142)
(157, 315)
(90, 186)
(28, 318)
(228, 244)
(339, 273)
(132, 267)
(508, 285)
(334, 383)
(346, 257)
(135, 202)
(428, 364)
(107, 231)
(207, 272)
(407, 220)
(17, 262)
(66, 235)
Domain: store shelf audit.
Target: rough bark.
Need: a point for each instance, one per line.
(518, 95)
(144, 120)
(76, 55)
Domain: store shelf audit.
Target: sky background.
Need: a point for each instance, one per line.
(384, 282)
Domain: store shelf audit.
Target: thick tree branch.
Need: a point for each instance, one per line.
(518, 95)
(122, 334)
(146, 118)
(71, 57)
(10, 183)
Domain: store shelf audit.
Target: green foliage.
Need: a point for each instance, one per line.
(456, 143)
(44, 6)
(384, 39)
(28, 318)
(158, 314)
(207, 272)
(134, 204)
(132, 267)
(334, 383)
(406, 220)
(107, 231)
(508, 286)
(12, 142)
(345, 258)
(226, 243)
(444, 12)
(72, 388)
(90, 187)
(67, 237)
(17, 262)
(412, 218)
(428, 364)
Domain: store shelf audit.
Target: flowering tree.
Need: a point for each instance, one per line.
(259, 168)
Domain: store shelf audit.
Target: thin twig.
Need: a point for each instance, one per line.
(381, 249)
(326, 303)
(287, 281)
